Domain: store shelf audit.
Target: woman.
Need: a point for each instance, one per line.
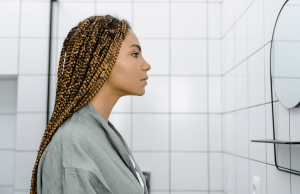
(86, 153)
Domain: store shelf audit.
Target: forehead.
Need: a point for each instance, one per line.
(130, 39)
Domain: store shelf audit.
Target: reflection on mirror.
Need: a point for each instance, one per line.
(285, 55)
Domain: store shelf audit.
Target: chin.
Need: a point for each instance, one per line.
(141, 93)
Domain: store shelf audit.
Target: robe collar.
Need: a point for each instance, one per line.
(113, 135)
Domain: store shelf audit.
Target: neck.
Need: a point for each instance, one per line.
(104, 101)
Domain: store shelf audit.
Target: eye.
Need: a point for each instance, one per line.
(136, 54)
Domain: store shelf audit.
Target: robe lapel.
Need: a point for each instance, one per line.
(113, 136)
(129, 152)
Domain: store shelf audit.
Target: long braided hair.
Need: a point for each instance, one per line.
(86, 50)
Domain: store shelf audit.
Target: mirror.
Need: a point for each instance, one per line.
(285, 55)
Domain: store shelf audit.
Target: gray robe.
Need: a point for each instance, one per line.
(88, 156)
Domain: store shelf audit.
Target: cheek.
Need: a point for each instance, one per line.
(124, 75)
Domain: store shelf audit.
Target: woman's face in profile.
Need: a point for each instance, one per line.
(129, 69)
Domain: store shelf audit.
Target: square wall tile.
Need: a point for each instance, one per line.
(188, 20)
(7, 167)
(230, 174)
(8, 128)
(156, 97)
(223, 103)
(257, 131)
(119, 9)
(158, 165)
(122, 122)
(242, 133)
(215, 132)
(153, 135)
(34, 62)
(271, 11)
(189, 62)
(242, 175)
(35, 19)
(215, 94)
(283, 155)
(189, 171)
(227, 15)
(189, 94)
(32, 93)
(7, 190)
(71, 14)
(241, 86)
(255, 26)
(256, 78)
(239, 9)
(230, 133)
(23, 170)
(29, 134)
(156, 53)
(214, 20)
(228, 52)
(9, 49)
(124, 104)
(240, 39)
(295, 187)
(278, 182)
(11, 10)
(215, 171)
(260, 170)
(150, 20)
(295, 158)
(188, 132)
(8, 98)
(214, 56)
(281, 121)
(230, 90)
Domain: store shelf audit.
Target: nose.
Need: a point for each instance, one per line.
(148, 66)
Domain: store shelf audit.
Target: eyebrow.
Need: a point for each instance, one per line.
(137, 46)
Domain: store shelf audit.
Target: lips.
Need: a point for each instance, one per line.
(144, 78)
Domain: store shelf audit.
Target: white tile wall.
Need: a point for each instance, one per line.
(151, 20)
(247, 27)
(34, 61)
(189, 171)
(9, 27)
(175, 130)
(189, 132)
(35, 19)
(7, 167)
(9, 56)
(190, 54)
(188, 20)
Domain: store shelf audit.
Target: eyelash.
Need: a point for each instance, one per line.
(135, 53)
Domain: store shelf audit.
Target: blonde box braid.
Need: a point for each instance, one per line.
(77, 76)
